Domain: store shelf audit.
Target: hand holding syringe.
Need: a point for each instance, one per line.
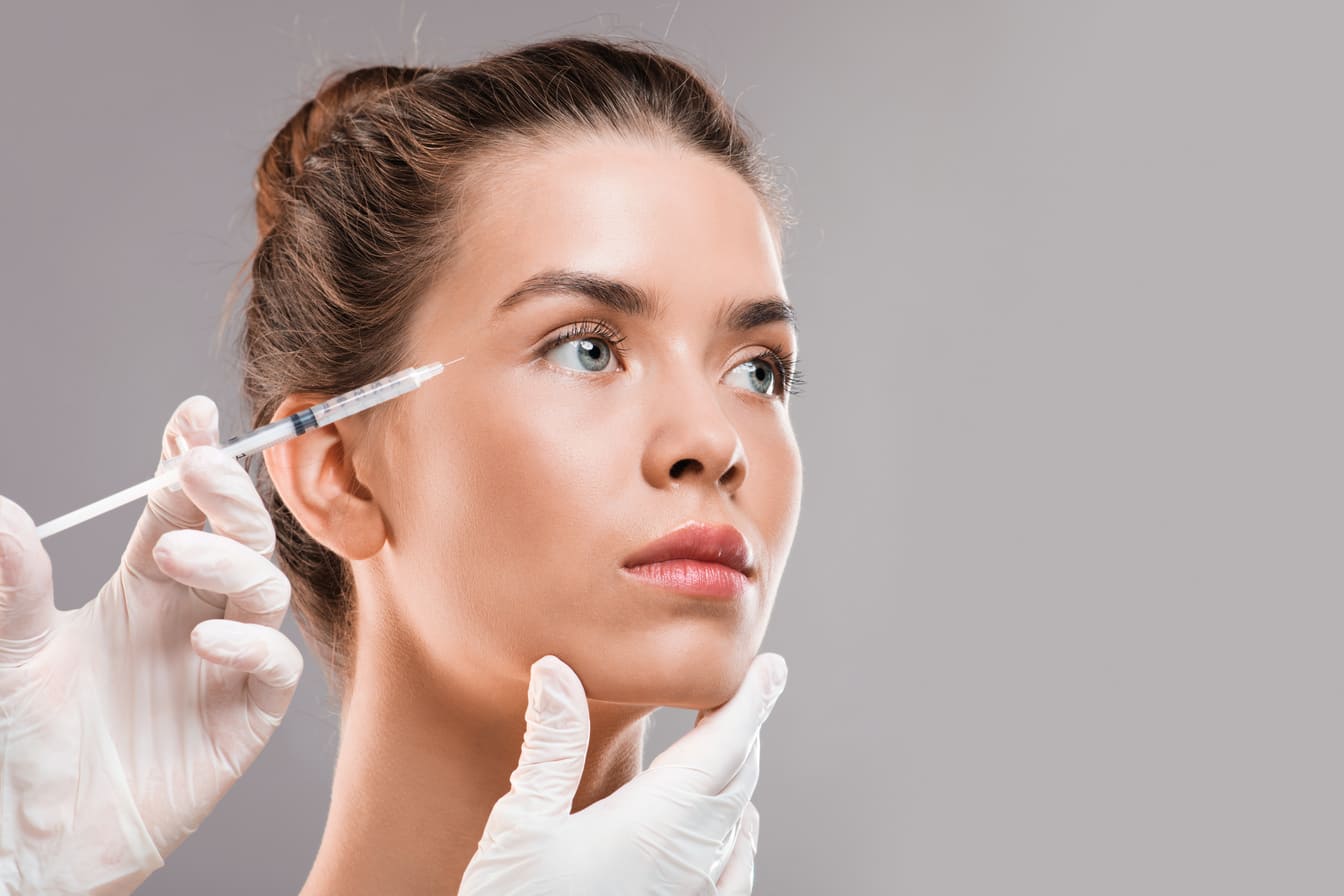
(259, 439)
(169, 682)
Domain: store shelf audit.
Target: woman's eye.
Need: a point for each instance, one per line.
(590, 354)
(590, 347)
(758, 372)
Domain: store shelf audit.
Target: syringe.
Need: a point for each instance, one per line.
(293, 426)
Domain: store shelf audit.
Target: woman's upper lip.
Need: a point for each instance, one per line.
(699, 541)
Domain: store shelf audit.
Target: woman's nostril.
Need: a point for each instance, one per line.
(680, 466)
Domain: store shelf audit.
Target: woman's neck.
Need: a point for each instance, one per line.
(422, 761)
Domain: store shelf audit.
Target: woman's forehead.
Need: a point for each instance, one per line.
(618, 205)
(672, 223)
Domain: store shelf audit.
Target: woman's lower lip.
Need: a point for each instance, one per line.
(693, 577)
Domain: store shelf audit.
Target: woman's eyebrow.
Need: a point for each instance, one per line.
(631, 300)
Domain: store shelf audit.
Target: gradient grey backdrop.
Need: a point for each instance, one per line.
(1063, 614)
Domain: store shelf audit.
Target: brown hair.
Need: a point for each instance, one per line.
(356, 200)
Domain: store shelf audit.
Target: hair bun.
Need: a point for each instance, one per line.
(340, 93)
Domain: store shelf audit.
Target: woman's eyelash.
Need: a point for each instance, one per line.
(784, 361)
(788, 368)
(588, 328)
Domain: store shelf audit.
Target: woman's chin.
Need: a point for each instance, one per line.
(702, 678)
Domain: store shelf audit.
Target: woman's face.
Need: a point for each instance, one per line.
(519, 481)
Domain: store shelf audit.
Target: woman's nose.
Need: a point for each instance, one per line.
(692, 438)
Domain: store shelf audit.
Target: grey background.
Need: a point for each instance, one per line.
(1063, 614)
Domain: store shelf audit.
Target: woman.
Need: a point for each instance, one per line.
(589, 227)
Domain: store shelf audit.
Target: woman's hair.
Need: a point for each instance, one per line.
(359, 196)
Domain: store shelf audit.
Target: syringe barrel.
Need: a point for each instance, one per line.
(270, 434)
(329, 411)
(364, 397)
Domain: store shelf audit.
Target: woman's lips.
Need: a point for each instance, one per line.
(694, 577)
(718, 544)
(696, 558)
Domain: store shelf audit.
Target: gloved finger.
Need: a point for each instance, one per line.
(717, 745)
(231, 577)
(739, 874)
(732, 801)
(195, 422)
(705, 825)
(272, 662)
(217, 484)
(555, 748)
(27, 601)
(718, 815)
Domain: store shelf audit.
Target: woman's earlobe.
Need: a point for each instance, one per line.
(314, 476)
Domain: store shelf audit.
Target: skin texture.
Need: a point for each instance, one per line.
(488, 517)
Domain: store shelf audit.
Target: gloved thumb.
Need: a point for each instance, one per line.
(27, 604)
(555, 748)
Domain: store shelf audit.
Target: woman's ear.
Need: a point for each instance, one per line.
(316, 478)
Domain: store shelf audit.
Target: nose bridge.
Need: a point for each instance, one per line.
(692, 435)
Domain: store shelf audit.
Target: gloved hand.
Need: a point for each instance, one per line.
(676, 829)
(122, 723)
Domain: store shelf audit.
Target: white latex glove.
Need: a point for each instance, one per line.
(674, 830)
(123, 722)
